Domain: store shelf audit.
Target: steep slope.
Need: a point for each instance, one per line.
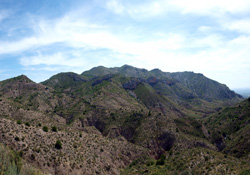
(205, 88)
(26, 94)
(145, 112)
(230, 129)
(80, 152)
(191, 161)
(123, 101)
(12, 163)
(23, 129)
(126, 106)
(112, 104)
(185, 85)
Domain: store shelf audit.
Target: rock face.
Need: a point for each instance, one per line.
(166, 140)
(131, 85)
(107, 118)
(200, 85)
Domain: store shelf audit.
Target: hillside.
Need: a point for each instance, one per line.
(112, 117)
(230, 129)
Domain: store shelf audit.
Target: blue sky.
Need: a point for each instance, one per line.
(42, 38)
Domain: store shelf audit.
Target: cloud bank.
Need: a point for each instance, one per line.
(174, 35)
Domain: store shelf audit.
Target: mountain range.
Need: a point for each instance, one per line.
(124, 120)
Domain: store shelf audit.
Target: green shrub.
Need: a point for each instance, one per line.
(45, 129)
(150, 163)
(58, 144)
(10, 161)
(161, 161)
(54, 129)
(245, 172)
(149, 113)
(27, 123)
(20, 154)
(19, 122)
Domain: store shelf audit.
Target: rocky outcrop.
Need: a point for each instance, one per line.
(100, 80)
(132, 84)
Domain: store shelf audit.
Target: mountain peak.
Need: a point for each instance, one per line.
(156, 70)
(126, 66)
(98, 71)
(23, 77)
(20, 78)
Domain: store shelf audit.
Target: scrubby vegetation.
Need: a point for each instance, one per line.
(191, 161)
(11, 163)
(54, 128)
(105, 121)
(45, 129)
(58, 144)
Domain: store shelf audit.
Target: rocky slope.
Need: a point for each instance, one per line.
(110, 117)
(230, 129)
(190, 161)
(80, 153)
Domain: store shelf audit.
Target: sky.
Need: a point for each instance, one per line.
(45, 37)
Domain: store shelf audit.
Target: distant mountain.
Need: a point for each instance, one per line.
(111, 117)
(245, 92)
(200, 85)
(180, 85)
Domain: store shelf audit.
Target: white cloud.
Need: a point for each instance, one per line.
(154, 8)
(166, 51)
(76, 33)
(241, 25)
(21, 45)
(56, 59)
(210, 54)
(211, 7)
(204, 28)
(146, 10)
(49, 32)
(209, 41)
(116, 6)
(137, 10)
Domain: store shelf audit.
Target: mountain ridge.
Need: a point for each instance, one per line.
(152, 112)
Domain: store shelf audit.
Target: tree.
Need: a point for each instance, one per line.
(161, 161)
(54, 129)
